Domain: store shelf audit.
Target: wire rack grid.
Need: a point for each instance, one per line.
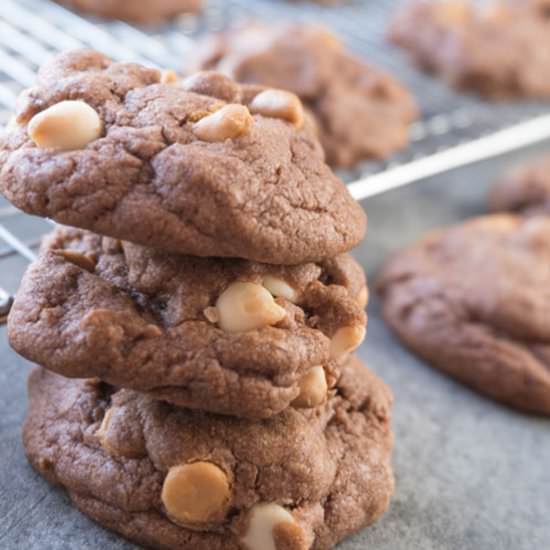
(454, 128)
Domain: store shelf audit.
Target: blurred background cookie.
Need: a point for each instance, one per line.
(473, 301)
(137, 11)
(499, 51)
(361, 111)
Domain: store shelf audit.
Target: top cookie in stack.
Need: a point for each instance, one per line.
(205, 168)
(209, 168)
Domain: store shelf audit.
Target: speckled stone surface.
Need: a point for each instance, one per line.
(471, 474)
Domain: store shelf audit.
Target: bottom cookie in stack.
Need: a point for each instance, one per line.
(167, 477)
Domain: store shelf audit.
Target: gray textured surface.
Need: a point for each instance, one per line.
(470, 473)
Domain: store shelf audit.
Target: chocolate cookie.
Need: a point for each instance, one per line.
(542, 7)
(526, 190)
(222, 335)
(137, 12)
(167, 477)
(473, 301)
(361, 112)
(497, 52)
(206, 168)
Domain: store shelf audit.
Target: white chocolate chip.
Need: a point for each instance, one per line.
(65, 126)
(229, 122)
(363, 297)
(279, 104)
(330, 40)
(168, 77)
(280, 288)
(247, 306)
(102, 432)
(346, 340)
(211, 314)
(197, 492)
(313, 389)
(452, 13)
(263, 519)
(12, 124)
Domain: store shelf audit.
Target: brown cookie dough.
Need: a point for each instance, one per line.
(194, 168)
(499, 51)
(167, 477)
(473, 301)
(361, 112)
(148, 11)
(542, 7)
(526, 190)
(222, 335)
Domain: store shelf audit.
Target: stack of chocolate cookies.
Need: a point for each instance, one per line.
(194, 326)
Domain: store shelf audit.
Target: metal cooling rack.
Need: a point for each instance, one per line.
(455, 129)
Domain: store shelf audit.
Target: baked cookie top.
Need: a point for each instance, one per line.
(495, 51)
(205, 167)
(136, 12)
(173, 478)
(361, 112)
(473, 300)
(526, 190)
(223, 335)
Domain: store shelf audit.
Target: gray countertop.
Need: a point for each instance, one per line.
(471, 474)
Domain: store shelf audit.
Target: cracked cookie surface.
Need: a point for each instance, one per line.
(137, 12)
(361, 112)
(251, 186)
(301, 480)
(473, 301)
(224, 335)
(500, 51)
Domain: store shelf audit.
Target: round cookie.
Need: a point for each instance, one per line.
(192, 168)
(150, 11)
(361, 112)
(526, 190)
(223, 335)
(479, 49)
(167, 477)
(473, 301)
